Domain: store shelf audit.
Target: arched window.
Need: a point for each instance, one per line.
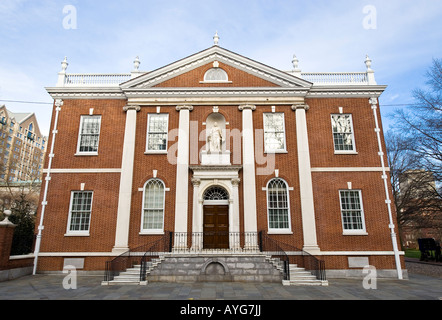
(31, 127)
(216, 75)
(278, 207)
(216, 193)
(153, 206)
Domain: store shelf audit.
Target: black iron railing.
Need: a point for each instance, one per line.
(131, 257)
(314, 265)
(302, 258)
(272, 247)
(234, 242)
(154, 252)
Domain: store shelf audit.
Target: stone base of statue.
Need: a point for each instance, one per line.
(215, 158)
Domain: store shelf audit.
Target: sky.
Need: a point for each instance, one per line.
(401, 37)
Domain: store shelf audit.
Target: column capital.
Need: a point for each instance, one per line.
(127, 108)
(247, 107)
(196, 182)
(184, 107)
(58, 103)
(295, 107)
(235, 182)
(373, 101)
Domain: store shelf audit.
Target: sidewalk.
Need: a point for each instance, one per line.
(50, 287)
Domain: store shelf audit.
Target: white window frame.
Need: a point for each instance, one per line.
(267, 150)
(279, 230)
(88, 153)
(148, 131)
(70, 232)
(353, 150)
(152, 231)
(361, 231)
(216, 81)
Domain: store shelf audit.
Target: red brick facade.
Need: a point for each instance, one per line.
(327, 176)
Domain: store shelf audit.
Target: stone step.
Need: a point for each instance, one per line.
(313, 282)
(193, 268)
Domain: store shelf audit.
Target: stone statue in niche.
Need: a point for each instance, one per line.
(215, 139)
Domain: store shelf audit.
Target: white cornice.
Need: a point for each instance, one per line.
(337, 91)
(86, 93)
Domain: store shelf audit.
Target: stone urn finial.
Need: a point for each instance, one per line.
(6, 221)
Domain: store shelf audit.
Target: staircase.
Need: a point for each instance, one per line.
(216, 268)
(298, 276)
(301, 277)
(132, 275)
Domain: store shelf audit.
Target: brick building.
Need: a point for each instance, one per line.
(216, 148)
(22, 147)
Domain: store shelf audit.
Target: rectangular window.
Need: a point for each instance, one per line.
(352, 211)
(89, 136)
(343, 137)
(157, 127)
(80, 211)
(274, 132)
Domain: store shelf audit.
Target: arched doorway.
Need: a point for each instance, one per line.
(216, 218)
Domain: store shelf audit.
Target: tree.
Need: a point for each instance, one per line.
(415, 157)
(22, 199)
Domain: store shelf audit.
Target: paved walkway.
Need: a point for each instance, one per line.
(50, 287)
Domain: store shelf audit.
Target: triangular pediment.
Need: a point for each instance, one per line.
(190, 72)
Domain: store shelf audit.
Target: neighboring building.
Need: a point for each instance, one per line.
(216, 144)
(22, 147)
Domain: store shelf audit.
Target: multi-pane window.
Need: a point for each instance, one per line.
(278, 205)
(80, 211)
(352, 211)
(153, 205)
(89, 134)
(274, 132)
(157, 128)
(343, 136)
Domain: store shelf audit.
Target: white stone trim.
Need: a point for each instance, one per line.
(291, 253)
(359, 253)
(349, 169)
(98, 170)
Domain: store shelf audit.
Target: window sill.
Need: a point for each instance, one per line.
(215, 81)
(80, 234)
(151, 233)
(276, 151)
(346, 152)
(156, 152)
(86, 154)
(355, 233)
(279, 232)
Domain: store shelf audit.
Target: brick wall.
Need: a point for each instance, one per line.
(106, 186)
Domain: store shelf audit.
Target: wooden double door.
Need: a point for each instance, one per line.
(216, 227)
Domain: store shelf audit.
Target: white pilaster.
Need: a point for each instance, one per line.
(197, 221)
(182, 177)
(305, 181)
(248, 148)
(234, 217)
(127, 169)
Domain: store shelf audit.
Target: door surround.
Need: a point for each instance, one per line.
(205, 177)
